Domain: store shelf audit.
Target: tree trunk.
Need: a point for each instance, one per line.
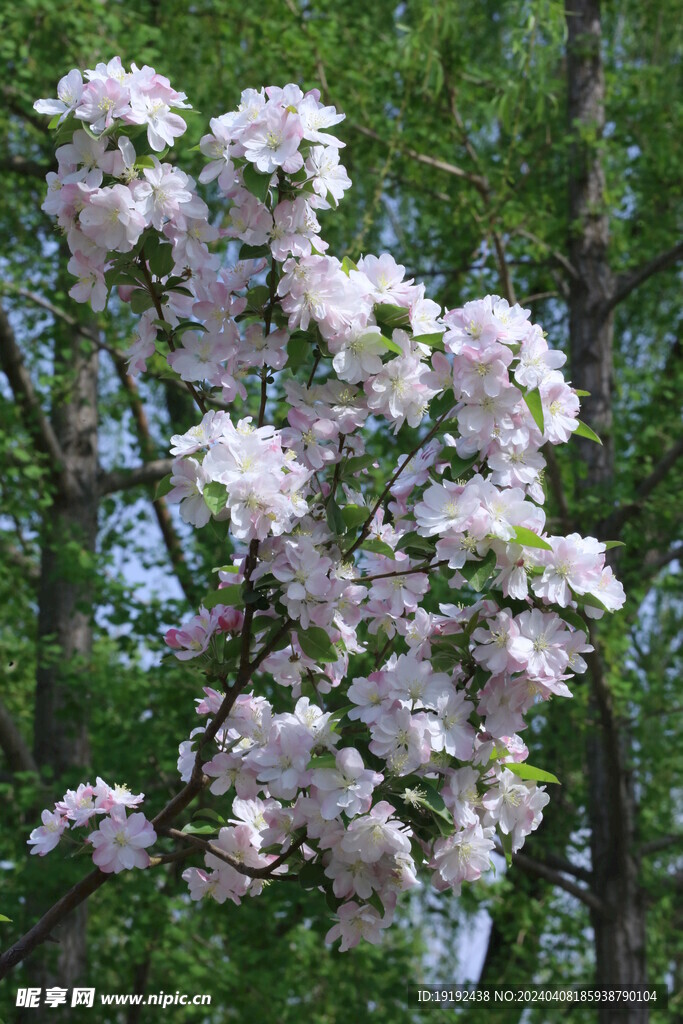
(620, 931)
(65, 595)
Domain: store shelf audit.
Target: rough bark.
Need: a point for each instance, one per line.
(620, 929)
(65, 595)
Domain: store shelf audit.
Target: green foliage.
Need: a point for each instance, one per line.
(478, 90)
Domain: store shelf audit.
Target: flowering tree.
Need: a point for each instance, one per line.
(416, 767)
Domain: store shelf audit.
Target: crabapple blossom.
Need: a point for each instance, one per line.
(47, 836)
(387, 747)
(120, 841)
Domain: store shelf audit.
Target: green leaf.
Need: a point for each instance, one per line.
(316, 644)
(209, 814)
(312, 875)
(443, 403)
(585, 431)
(253, 252)
(141, 300)
(257, 297)
(478, 573)
(161, 261)
(388, 315)
(527, 771)
(2, 916)
(609, 544)
(530, 539)
(391, 345)
(591, 600)
(348, 265)
(574, 619)
(255, 182)
(230, 595)
(378, 547)
(200, 830)
(431, 340)
(533, 401)
(374, 900)
(582, 394)
(323, 761)
(335, 517)
(506, 843)
(354, 515)
(298, 351)
(215, 495)
(356, 463)
(461, 466)
(163, 487)
(413, 543)
(187, 325)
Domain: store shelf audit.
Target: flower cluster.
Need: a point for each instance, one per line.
(120, 841)
(400, 755)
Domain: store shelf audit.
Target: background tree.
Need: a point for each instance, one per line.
(520, 148)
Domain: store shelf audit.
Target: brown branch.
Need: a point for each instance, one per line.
(632, 279)
(20, 381)
(663, 843)
(147, 447)
(555, 476)
(39, 300)
(40, 932)
(422, 158)
(87, 886)
(644, 488)
(208, 847)
(537, 869)
(20, 165)
(125, 479)
(13, 744)
(368, 522)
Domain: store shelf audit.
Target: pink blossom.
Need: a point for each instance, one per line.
(47, 836)
(120, 841)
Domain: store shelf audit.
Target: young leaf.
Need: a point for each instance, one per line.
(527, 771)
(574, 619)
(478, 573)
(391, 345)
(324, 761)
(431, 340)
(316, 644)
(141, 300)
(506, 843)
(392, 316)
(312, 875)
(533, 401)
(200, 830)
(335, 517)
(230, 595)
(348, 265)
(585, 431)
(530, 539)
(161, 261)
(255, 182)
(253, 252)
(378, 547)
(356, 463)
(163, 487)
(354, 515)
(461, 466)
(215, 495)
(609, 544)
